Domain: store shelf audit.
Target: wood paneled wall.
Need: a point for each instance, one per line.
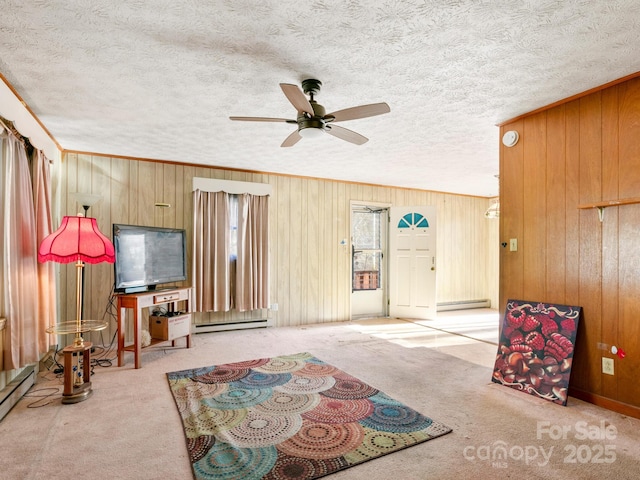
(580, 152)
(310, 270)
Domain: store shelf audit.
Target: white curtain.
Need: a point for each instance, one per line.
(211, 248)
(19, 300)
(41, 179)
(252, 271)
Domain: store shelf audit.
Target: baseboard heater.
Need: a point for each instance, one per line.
(463, 305)
(15, 389)
(221, 327)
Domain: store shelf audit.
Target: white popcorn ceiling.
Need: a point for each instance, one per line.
(159, 79)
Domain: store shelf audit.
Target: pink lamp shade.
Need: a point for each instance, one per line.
(77, 239)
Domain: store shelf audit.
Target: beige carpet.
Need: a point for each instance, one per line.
(130, 428)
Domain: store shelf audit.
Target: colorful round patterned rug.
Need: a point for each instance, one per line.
(291, 417)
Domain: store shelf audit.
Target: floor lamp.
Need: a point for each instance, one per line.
(79, 240)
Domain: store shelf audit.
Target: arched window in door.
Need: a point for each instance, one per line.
(413, 220)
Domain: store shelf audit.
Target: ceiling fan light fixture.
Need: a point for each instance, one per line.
(312, 119)
(311, 132)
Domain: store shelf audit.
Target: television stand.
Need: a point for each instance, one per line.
(136, 302)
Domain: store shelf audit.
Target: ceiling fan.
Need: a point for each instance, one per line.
(312, 119)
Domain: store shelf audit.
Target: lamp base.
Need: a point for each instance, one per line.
(79, 394)
(77, 384)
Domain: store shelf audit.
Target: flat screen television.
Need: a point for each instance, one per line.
(148, 256)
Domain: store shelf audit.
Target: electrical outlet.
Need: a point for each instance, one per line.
(607, 365)
(274, 307)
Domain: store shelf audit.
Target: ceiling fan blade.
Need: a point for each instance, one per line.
(297, 98)
(262, 119)
(292, 139)
(346, 134)
(362, 111)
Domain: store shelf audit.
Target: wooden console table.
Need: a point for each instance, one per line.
(138, 301)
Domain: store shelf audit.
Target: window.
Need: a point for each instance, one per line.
(367, 249)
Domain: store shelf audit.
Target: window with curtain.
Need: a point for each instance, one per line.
(27, 299)
(230, 251)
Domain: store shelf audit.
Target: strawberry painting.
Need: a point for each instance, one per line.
(536, 348)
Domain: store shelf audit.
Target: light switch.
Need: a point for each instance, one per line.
(513, 245)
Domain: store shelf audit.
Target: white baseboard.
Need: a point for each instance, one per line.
(221, 327)
(463, 305)
(15, 389)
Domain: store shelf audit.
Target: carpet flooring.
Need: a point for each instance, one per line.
(289, 417)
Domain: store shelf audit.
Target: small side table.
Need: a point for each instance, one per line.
(137, 302)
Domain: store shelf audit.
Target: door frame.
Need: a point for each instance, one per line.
(384, 285)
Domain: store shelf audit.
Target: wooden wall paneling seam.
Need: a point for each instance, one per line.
(535, 208)
(308, 252)
(492, 272)
(628, 369)
(572, 199)
(151, 176)
(99, 274)
(297, 229)
(183, 218)
(273, 250)
(332, 227)
(587, 363)
(134, 214)
(444, 250)
(283, 251)
(308, 249)
(342, 298)
(555, 188)
(69, 270)
(630, 146)
(610, 242)
(159, 193)
(172, 216)
(313, 246)
(328, 249)
(325, 220)
(322, 256)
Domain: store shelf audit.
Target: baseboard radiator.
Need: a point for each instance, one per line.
(242, 325)
(16, 388)
(463, 305)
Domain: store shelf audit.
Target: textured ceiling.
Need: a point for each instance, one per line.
(159, 79)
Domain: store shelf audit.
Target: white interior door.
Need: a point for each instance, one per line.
(412, 262)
